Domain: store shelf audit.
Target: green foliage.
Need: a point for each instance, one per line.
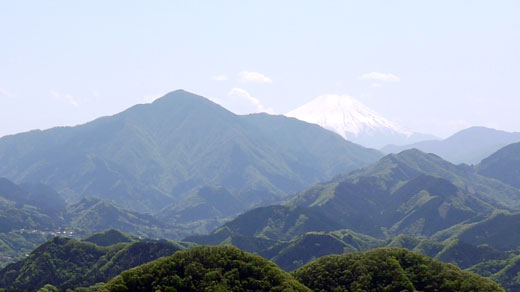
(69, 264)
(15, 245)
(272, 222)
(203, 268)
(388, 269)
(48, 288)
(499, 231)
(410, 192)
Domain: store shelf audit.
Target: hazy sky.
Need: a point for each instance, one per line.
(432, 66)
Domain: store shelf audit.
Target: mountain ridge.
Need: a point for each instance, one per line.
(150, 155)
(468, 146)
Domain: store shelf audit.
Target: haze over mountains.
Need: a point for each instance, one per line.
(153, 155)
(354, 121)
(284, 189)
(467, 146)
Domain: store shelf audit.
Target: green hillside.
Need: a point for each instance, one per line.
(503, 165)
(222, 268)
(408, 193)
(151, 155)
(67, 263)
(388, 270)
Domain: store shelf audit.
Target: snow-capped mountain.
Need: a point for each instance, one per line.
(354, 121)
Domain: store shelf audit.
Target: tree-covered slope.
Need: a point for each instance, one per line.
(503, 165)
(410, 192)
(29, 207)
(499, 231)
(407, 193)
(203, 268)
(68, 263)
(150, 155)
(272, 222)
(388, 269)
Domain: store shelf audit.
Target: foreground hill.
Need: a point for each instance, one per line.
(66, 263)
(227, 268)
(222, 268)
(150, 155)
(503, 165)
(96, 259)
(467, 146)
(389, 270)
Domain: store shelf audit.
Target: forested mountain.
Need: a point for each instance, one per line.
(152, 155)
(203, 268)
(227, 268)
(468, 146)
(67, 263)
(198, 180)
(121, 250)
(388, 270)
(412, 200)
(31, 213)
(411, 193)
(503, 165)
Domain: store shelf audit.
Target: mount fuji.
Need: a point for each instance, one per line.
(355, 122)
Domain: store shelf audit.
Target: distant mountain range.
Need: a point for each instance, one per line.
(467, 146)
(154, 155)
(354, 121)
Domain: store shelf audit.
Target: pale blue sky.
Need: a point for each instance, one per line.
(454, 63)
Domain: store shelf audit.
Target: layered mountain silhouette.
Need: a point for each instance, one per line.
(467, 146)
(152, 155)
(407, 193)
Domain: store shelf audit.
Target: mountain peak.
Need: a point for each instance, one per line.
(344, 115)
(353, 121)
(181, 95)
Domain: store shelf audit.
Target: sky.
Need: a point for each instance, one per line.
(433, 67)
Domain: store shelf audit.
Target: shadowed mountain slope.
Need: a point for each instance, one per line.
(503, 165)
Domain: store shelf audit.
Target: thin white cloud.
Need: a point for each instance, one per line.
(385, 77)
(376, 85)
(246, 102)
(255, 77)
(219, 78)
(7, 93)
(65, 97)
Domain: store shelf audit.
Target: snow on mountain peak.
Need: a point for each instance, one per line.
(346, 116)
